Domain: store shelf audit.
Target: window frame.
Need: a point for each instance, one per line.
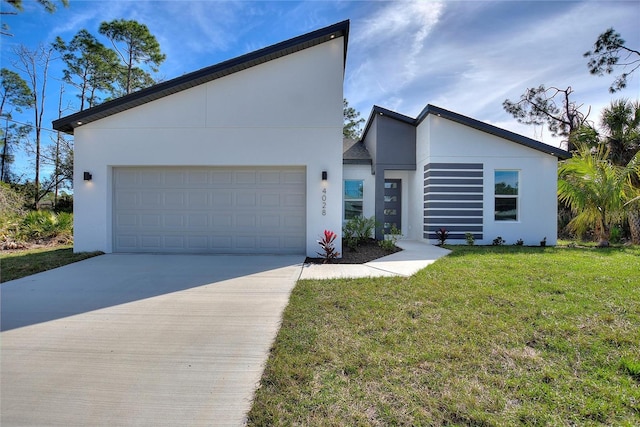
(515, 197)
(346, 199)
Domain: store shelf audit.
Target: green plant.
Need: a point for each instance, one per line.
(595, 189)
(616, 234)
(390, 240)
(469, 238)
(498, 241)
(519, 242)
(328, 249)
(442, 234)
(45, 224)
(11, 201)
(357, 230)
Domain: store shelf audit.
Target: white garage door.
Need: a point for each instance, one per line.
(209, 210)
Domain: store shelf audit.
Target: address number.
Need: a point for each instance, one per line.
(324, 202)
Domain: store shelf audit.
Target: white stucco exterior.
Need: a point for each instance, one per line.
(439, 140)
(452, 185)
(284, 112)
(278, 113)
(363, 172)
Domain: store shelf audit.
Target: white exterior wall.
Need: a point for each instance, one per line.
(363, 172)
(440, 140)
(285, 112)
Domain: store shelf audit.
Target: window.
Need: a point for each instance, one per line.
(506, 195)
(353, 192)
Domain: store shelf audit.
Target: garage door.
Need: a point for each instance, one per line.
(209, 210)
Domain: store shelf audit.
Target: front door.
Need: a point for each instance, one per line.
(392, 203)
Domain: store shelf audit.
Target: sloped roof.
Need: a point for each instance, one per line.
(204, 75)
(467, 121)
(355, 153)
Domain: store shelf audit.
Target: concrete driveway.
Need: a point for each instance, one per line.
(140, 339)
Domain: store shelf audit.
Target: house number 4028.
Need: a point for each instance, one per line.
(324, 202)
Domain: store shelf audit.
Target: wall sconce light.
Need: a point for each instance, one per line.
(324, 175)
(87, 176)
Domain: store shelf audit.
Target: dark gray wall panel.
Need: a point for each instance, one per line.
(453, 196)
(453, 236)
(442, 213)
(476, 220)
(463, 228)
(457, 205)
(478, 166)
(466, 174)
(432, 196)
(443, 189)
(453, 181)
(396, 144)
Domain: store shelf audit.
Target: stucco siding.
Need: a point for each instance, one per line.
(363, 172)
(450, 142)
(286, 112)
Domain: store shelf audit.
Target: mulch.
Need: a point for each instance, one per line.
(366, 252)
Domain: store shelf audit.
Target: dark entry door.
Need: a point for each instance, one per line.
(392, 203)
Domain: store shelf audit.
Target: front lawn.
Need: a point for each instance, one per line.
(14, 265)
(485, 336)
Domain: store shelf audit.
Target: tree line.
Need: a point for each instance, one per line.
(600, 185)
(120, 60)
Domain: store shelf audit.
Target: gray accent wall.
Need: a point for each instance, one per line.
(392, 145)
(453, 199)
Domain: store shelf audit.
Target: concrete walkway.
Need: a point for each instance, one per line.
(414, 257)
(140, 339)
(153, 339)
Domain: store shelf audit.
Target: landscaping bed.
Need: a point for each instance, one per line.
(368, 250)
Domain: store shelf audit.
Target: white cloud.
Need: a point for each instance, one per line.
(385, 46)
(472, 56)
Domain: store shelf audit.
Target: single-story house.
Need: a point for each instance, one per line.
(247, 156)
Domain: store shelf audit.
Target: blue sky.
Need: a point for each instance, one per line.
(465, 56)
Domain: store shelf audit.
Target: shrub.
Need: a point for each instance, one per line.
(328, 249)
(390, 240)
(11, 202)
(519, 242)
(469, 238)
(616, 234)
(44, 225)
(498, 241)
(357, 230)
(543, 242)
(442, 235)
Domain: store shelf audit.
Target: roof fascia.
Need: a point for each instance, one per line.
(341, 29)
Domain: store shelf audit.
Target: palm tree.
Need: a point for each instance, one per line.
(621, 126)
(596, 190)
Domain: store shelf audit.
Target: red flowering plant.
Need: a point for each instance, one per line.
(328, 249)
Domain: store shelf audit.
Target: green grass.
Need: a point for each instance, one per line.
(19, 264)
(486, 336)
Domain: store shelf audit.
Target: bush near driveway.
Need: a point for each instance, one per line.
(19, 231)
(485, 336)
